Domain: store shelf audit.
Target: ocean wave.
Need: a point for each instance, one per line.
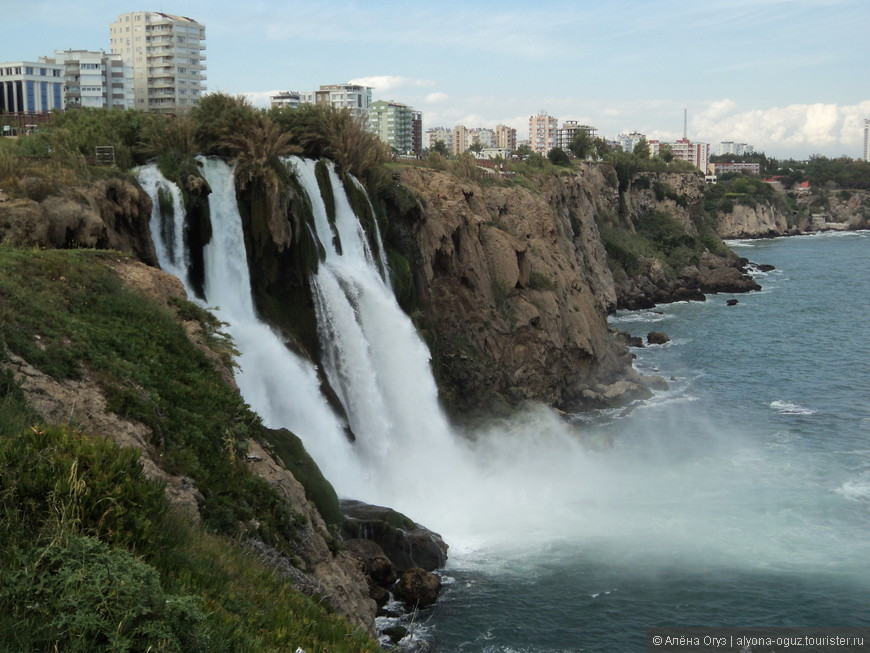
(629, 317)
(857, 490)
(788, 408)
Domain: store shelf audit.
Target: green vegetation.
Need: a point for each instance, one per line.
(91, 556)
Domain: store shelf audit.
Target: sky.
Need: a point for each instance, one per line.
(789, 77)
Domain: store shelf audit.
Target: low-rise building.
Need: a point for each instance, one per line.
(286, 100)
(31, 87)
(743, 168)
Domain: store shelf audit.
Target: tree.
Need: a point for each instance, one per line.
(582, 145)
(642, 150)
(476, 147)
(666, 152)
(440, 147)
(558, 157)
(523, 151)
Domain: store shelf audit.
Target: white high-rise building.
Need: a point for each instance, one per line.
(95, 79)
(738, 149)
(167, 55)
(867, 139)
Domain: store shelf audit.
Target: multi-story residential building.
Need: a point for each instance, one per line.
(31, 87)
(417, 131)
(393, 123)
(482, 136)
(570, 128)
(461, 141)
(867, 139)
(738, 149)
(629, 141)
(698, 154)
(95, 79)
(343, 96)
(542, 132)
(286, 99)
(442, 134)
(167, 54)
(505, 138)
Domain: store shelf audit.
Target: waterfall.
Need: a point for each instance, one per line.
(280, 386)
(167, 230)
(406, 455)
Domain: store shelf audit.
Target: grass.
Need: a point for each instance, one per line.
(77, 507)
(93, 560)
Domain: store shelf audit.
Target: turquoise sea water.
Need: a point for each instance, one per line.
(739, 497)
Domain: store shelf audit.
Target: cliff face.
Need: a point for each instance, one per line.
(109, 214)
(514, 288)
(762, 220)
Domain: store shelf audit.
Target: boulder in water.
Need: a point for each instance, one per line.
(406, 543)
(657, 338)
(418, 588)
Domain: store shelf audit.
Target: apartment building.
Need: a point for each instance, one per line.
(442, 134)
(461, 141)
(94, 79)
(542, 132)
(569, 129)
(505, 138)
(629, 141)
(31, 87)
(343, 96)
(393, 123)
(167, 55)
(698, 154)
(738, 149)
(867, 139)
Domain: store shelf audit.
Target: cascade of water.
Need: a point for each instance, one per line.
(167, 230)
(373, 355)
(281, 387)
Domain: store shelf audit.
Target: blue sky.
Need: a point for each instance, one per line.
(789, 76)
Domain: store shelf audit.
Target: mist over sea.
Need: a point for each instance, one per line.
(739, 497)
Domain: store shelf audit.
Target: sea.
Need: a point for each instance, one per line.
(738, 497)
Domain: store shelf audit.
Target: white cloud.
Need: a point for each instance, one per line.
(385, 83)
(808, 128)
(436, 97)
(261, 98)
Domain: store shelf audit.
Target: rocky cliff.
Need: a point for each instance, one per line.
(514, 290)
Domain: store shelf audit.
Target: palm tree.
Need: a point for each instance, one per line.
(257, 150)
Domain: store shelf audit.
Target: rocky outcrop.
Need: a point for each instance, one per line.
(514, 287)
(760, 221)
(405, 543)
(111, 213)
